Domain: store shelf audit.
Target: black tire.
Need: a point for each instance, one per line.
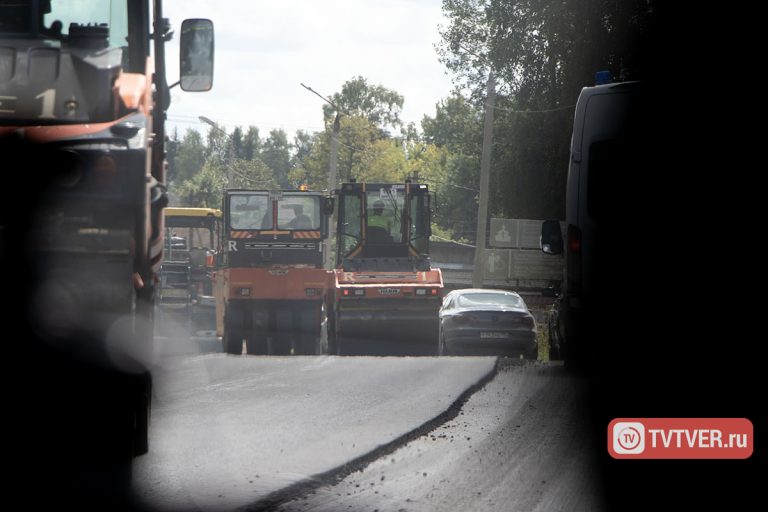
(441, 348)
(340, 346)
(308, 344)
(142, 415)
(232, 342)
(256, 345)
(333, 343)
(281, 344)
(333, 336)
(532, 354)
(144, 321)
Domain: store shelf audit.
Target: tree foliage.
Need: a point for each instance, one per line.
(445, 155)
(205, 189)
(456, 129)
(189, 157)
(276, 154)
(357, 98)
(542, 52)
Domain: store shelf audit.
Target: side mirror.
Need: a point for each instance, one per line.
(328, 205)
(551, 240)
(549, 292)
(196, 55)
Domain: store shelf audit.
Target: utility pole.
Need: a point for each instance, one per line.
(485, 172)
(334, 160)
(230, 162)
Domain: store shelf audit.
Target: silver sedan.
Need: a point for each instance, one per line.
(486, 322)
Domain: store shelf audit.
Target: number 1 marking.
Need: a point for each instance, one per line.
(49, 98)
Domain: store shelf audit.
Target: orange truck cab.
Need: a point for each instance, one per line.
(271, 286)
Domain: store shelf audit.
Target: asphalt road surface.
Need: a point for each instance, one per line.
(516, 445)
(362, 433)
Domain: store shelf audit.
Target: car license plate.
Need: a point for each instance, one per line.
(494, 335)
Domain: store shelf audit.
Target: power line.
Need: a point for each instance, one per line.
(453, 241)
(532, 111)
(191, 120)
(451, 185)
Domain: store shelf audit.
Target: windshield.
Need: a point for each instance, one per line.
(67, 19)
(349, 223)
(250, 211)
(489, 299)
(295, 212)
(72, 15)
(385, 210)
(255, 211)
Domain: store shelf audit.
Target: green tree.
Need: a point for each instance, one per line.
(315, 164)
(276, 154)
(171, 151)
(303, 143)
(237, 143)
(217, 146)
(542, 53)
(253, 174)
(379, 105)
(251, 144)
(456, 130)
(357, 137)
(189, 157)
(205, 189)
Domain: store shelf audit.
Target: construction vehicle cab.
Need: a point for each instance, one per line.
(384, 286)
(83, 101)
(271, 286)
(186, 305)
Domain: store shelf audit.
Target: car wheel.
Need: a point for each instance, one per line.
(554, 352)
(442, 350)
(142, 414)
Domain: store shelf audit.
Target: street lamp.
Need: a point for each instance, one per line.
(230, 156)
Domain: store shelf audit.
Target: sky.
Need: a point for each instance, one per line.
(266, 48)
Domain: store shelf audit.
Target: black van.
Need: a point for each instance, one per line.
(604, 153)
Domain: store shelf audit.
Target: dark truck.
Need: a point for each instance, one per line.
(83, 101)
